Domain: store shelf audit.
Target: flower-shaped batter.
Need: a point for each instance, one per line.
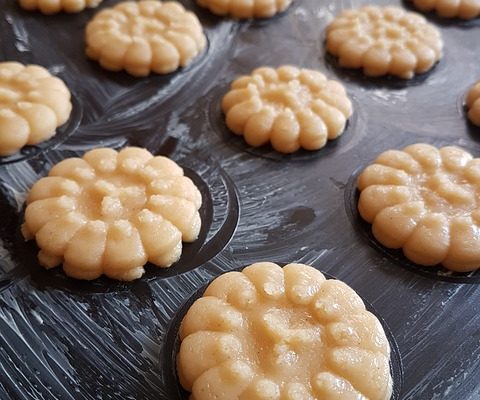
(246, 9)
(288, 107)
(33, 103)
(384, 40)
(111, 212)
(282, 333)
(465, 9)
(55, 6)
(473, 104)
(144, 36)
(426, 201)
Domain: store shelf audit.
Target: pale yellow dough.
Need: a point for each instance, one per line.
(465, 9)
(473, 104)
(144, 36)
(33, 103)
(426, 201)
(246, 8)
(56, 6)
(289, 107)
(112, 212)
(384, 41)
(282, 334)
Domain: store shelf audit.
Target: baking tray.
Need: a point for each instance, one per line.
(62, 339)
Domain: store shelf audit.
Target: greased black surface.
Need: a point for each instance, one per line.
(68, 340)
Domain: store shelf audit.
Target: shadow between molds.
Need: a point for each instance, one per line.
(383, 82)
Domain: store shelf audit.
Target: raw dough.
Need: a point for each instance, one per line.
(288, 107)
(273, 333)
(144, 36)
(465, 9)
(33, 103)
(426, 201)
(112, 212)
(55, 6)
(246, 9)
(473, 104)
(384, 40)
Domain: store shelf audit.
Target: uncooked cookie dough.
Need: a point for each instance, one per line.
(473, 104)
(426, 201)
(56, 6)
(288, 107)
(112, 212)
(145, 36)
(282, 333)
(465, 9)
(33, 104)
(384, 41)
(246, 9)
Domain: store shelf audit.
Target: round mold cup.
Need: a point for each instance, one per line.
(382, 82)
(219, 213)
(432, 16)
(62, 134)
(171, 347)
(154, 80)
(462, 109)
(204, 14)
(275, 19)
(216, 118)
(438, 272)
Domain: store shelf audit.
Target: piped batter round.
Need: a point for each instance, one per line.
(465, 9)
(282, 334)
(55, 6)
(33, 104)
(145, 36)
(425, 201)
(288, 107)
(246, 8)
(384, 41)
(112, 212)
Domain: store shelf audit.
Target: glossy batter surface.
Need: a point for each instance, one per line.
(384, 41)
(426, 201)
(33, 103)
(144, 37)
(112, 212)
(290, 108)
(282, 333)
